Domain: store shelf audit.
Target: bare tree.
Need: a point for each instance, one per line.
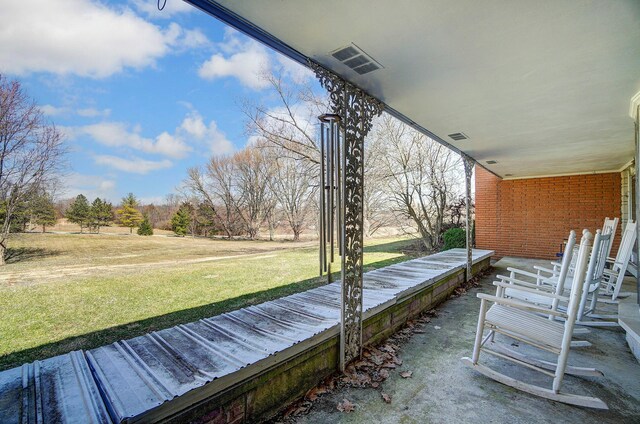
(255, 200)
(236, 189)
(214, 187)
(31, 150)
(291, 129)
(292, 124)
(422, 177)
(376, 200)
(293, 184)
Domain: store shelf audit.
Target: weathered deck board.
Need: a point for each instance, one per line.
(130, 379)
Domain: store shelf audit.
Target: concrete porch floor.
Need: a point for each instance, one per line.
(443, 390)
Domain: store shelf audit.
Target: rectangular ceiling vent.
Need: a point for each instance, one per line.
(492, 162)
(356, 59)
(458, 136)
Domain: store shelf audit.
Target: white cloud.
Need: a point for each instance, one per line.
(241, 58)
(193, 38)
(135, 165)
(91, 186)
(82, 37)
(50, 110)
(88, 112)
(191, 131)
(193, 126)
(299, 74)
(171, 8)
(91, 112)
(117, 134)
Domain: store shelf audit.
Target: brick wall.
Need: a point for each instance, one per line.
(531, 217)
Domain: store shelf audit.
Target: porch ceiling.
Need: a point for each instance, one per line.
(543, 87)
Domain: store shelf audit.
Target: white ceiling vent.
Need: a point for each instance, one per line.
(458, 136)
(356, 59)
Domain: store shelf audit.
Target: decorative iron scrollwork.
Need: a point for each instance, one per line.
(356, 110)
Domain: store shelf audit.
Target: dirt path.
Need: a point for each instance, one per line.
(30, 277)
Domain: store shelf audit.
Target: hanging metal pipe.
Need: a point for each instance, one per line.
(330, 174)
(321, 232)
(331, 197)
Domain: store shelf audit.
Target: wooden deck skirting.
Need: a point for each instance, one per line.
(162, 377)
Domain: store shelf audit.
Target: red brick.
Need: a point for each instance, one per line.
(531, 217)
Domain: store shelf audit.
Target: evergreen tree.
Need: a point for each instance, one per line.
(43, 212)
(181, 220)
(19, 218)
(129, 214)
(101, 213)
(79, 212)
(145, 228)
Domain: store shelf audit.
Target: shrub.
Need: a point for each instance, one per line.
(454, 237)
(145, 228)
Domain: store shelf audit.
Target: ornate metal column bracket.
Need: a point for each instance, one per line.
(356, 110)
(468, 172)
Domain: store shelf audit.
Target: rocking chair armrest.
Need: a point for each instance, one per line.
(547, 270)
(531, 290)
(517, 283)
(610, 272)
(544, 281)
(523, 272)
(519, 304)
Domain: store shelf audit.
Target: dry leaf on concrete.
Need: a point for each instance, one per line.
(406, 374)
(346, 406)
(386, 398)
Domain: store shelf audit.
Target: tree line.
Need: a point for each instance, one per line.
(410, 181)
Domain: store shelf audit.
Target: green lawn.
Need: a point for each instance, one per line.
(42, 315)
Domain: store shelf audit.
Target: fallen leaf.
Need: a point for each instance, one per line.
(388, 364)
(419, 331)
(387, 348)
(346, 406)
(386, 398)
(313, 394)
(375, 384)
(406, 374)
(362, 364)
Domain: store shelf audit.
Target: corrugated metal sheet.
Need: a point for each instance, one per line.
(138, 378)
(58, 390)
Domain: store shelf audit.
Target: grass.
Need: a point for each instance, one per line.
(124, 286)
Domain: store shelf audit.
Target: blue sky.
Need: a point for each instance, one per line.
(141, 95)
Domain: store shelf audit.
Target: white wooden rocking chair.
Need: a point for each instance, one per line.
(609, 227)
(614, 276)
(587, 315)
(538, 293)
(514, 319)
